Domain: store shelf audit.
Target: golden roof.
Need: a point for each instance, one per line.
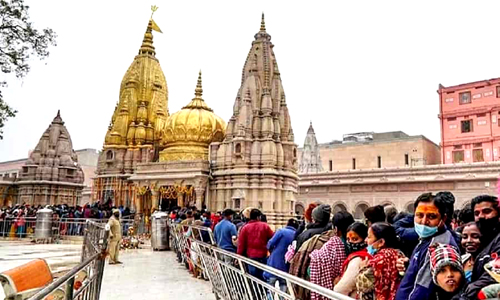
(142, 109)
(189, 132)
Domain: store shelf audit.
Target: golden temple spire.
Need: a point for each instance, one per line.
(198, 92)
(147, 43)
(262, 23)
(197, 101)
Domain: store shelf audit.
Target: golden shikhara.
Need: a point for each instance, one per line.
(189, 132)
(142, 110)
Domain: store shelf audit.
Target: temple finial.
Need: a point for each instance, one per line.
(199, 90)
(263, 23)
(154, 8)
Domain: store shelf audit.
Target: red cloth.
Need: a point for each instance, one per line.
(253, 239)
(363, 254)
(386, 274)
(326, 265)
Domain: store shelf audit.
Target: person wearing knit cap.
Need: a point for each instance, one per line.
(446, 270)
(321, 223)
(307, 219)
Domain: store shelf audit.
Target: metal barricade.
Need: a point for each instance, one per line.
(228, 272)
(18, 227)
(84, 281)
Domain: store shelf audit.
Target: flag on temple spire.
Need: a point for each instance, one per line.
(155, 26)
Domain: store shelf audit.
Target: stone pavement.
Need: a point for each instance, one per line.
(150, 275)
(60, 257)
(144, 274)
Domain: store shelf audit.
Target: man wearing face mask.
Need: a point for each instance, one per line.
(115, 237)
(430, 219)
(486, 215)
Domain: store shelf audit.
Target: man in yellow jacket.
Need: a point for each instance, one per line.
(115, 237)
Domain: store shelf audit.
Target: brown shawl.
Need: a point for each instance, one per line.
(300, 261)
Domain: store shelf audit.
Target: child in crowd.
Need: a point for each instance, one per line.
(447, 271)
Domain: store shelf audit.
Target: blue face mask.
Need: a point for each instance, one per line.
(371, 250)
(468, 275)
(425, 231)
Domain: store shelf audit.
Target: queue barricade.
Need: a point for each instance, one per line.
(228, 271)
(84, 281)
(14, 227)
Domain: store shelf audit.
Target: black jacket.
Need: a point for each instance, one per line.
(311, 230)
(481, 278)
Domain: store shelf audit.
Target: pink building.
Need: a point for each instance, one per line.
(470, 128)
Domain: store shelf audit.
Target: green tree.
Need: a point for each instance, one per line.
(18, 41)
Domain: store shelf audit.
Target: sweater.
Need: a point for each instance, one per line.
(253, 239)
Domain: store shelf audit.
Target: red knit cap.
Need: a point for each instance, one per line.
(442, 255)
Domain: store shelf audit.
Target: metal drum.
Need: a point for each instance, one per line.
(43, 224)
(159, 231)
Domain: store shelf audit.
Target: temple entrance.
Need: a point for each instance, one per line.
(168, 198)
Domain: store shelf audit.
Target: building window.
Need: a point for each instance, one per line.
(464, 98)
(354, 164)
(379, 161)
(477, 155)
(477, 145)
(466, 126)
(457, 147)
(498, 91)
(238, 148)
(458, 156)
(451, 119)
(407, 160)
(330, 165)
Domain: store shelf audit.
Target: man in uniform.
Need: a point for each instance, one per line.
(115, 237)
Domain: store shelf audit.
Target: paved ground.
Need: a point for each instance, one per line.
(144, 275)
(60, 257)
(150, 275)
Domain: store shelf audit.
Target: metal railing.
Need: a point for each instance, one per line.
(25, 228)
(84, 281)
(17, 227)
(233, 277)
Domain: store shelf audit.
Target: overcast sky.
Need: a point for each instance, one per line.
(347, 66)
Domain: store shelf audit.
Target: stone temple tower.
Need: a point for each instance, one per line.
(52, 175)
(310, 160)
(256, 164)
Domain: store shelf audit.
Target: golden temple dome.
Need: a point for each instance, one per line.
(189, 132)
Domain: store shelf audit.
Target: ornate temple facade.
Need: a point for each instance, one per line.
(51, 175)
(153, 160)
(256, 164)
(310, 159)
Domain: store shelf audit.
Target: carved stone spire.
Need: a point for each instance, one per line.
(259, 138)
(310, 161)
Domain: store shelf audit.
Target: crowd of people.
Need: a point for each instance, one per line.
(19, 220)
(434, 253)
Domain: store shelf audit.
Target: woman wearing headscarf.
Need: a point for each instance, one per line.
(379, 278)
(356, 251)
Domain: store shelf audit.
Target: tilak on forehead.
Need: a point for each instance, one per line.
(427, 209)
(352, 234)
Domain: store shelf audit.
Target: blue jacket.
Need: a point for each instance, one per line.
(278, 246)
(405, 229)
(223, 234)
(417, 283)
